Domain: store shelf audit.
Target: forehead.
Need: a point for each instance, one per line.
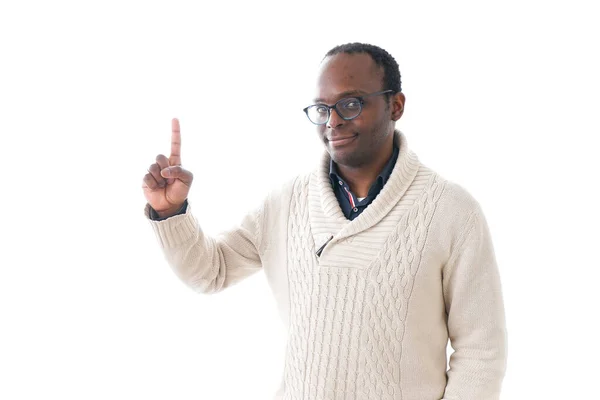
(348, 72)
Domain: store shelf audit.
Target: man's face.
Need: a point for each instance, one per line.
(359, 141)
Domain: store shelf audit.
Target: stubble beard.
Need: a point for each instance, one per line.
(361, 156)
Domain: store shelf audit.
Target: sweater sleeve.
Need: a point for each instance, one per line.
(476, 320)
(204, 263)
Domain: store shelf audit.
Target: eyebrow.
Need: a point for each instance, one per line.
(343, 94)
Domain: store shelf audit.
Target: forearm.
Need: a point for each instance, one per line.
(208, 264)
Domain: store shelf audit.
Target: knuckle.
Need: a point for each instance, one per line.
(149, 183)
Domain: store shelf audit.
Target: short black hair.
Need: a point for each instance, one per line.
(391, 70)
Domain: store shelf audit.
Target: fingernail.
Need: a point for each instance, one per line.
(165, 172)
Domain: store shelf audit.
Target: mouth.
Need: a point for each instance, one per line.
(341, 141)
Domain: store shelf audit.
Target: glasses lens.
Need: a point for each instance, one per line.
(349, 108)
(317, 114)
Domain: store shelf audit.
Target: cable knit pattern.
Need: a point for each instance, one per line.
(346, 342)
(300, 284)
(370, 318)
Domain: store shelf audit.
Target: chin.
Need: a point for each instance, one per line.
(350, 159)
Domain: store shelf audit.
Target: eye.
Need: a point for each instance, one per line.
(321, 109)
(350, 104)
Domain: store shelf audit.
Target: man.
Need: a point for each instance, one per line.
(374, 259)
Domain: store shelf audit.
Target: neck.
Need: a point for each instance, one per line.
(360, 179)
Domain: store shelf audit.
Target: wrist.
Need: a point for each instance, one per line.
(171, 211)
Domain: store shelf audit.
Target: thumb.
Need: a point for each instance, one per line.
(176, 172)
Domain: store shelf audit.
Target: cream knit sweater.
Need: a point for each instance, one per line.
(371, 317)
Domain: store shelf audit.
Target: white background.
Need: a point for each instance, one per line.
(502, 97)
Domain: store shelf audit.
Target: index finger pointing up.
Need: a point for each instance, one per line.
(175, 157)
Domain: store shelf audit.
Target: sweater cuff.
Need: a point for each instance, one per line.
(175, 230)
(154, 215)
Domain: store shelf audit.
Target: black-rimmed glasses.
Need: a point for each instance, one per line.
(347, 108)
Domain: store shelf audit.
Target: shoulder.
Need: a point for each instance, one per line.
(274, 210)
(292, 186)
(455, 206)
(459, 197)
(451, 195)
(283, 190)
(455, 212)
(276, 202)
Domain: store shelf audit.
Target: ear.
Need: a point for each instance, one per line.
(397, 103)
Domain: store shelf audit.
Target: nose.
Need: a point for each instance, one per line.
(335, 121)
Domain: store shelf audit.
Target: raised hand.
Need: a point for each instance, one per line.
(167, 184)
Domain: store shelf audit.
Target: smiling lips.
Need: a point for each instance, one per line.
(340, 141)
